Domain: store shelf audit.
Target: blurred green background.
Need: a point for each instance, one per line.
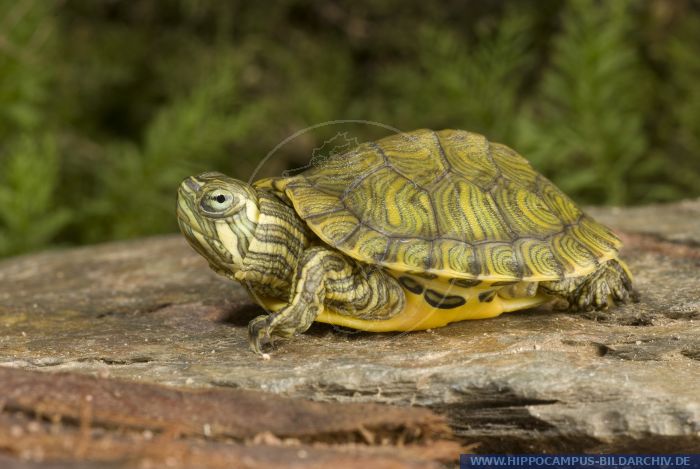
(106, 105)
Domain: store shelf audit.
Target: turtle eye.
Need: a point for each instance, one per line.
(217, 201)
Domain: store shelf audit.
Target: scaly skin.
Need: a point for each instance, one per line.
(610, 284)
(326, 277)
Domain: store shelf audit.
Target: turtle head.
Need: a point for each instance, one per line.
(218, 215)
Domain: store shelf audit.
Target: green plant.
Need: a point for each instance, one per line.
(26, 32)
(679, 159)
(463, 82)
(29, 175)
(191, 134)
(106, 106)
(585, 125)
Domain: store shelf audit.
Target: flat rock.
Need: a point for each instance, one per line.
(541, 380)
(69, 418)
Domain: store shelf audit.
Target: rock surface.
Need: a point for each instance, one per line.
(73, 418)
(541, 380)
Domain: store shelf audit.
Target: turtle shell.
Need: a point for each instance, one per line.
(448, 203)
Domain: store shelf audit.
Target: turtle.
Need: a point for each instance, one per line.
(410, 232)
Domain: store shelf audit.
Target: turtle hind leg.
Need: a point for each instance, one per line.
(611, 283)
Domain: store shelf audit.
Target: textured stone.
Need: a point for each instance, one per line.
(72, 418)
(541, 380)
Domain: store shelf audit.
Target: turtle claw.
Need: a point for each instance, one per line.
(259, 334)
(284, 323)
(607, 287)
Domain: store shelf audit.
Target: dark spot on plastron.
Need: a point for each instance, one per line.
(464, 282)
(411, 285)
(442, 301)
(487, 296)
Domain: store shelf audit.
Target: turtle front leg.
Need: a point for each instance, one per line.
(306, 302)
(326, 277)
(611, 282)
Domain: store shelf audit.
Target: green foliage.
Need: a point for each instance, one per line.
(30, 216)
(459, 82)
(679, 162)
(106, 106)
(25, 33)
(685, 70)
(189, 135)
(586, 127)
(28, 182)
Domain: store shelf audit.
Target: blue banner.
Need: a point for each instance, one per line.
(583, 461)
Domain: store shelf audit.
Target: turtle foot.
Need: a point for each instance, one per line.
(610, 284)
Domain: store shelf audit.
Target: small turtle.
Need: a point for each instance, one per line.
(411, 232)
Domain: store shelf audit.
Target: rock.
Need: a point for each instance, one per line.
(162, 426)
(623, 380)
